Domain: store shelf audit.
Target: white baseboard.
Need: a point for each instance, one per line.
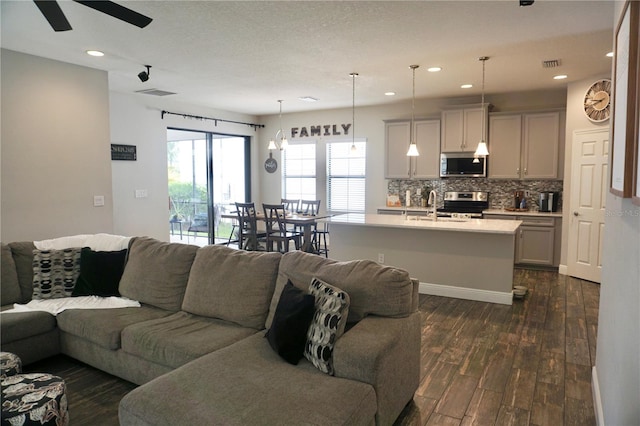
(504, 298)
(562, 269)
(597, 401)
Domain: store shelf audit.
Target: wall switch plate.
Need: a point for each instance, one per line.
(419, 192)
(98, 200)
(141, 193)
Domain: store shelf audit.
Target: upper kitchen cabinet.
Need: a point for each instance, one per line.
(427, 136)
(524, 146)
(462, 128)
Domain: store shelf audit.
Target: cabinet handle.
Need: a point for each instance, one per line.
(576, 214)
(525, 170)
(518, 171)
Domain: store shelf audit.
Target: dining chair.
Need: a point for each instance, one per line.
(249, 237)
(293, 207)
(320, 231)
(274, 218)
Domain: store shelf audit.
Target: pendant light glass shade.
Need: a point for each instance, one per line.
(413, 148)
(353, 113)
(482, 150)
(280, 140)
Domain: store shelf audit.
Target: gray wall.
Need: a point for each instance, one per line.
(55, 149)
(137, 120)
(618, 352)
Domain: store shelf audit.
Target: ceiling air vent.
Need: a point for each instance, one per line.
(155, 92)
(551, 63)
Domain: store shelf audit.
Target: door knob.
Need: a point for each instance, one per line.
(576, 214)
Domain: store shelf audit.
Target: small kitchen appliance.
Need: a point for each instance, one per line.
(518, 196)
(549, 201)
(464, 203)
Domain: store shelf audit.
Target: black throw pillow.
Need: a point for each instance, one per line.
(100, 272)
(288, 333)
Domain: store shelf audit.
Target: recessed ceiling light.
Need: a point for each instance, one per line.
(559, 77)
(389, 93)
(610, 54)
(308, 99)
(95, 53)
(466, 86)
(434, 69)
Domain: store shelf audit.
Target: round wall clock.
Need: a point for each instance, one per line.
(597, 101)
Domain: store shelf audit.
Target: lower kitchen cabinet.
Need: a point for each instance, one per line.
(537, 240)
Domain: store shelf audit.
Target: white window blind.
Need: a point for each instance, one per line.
(299, 171)
(346, 176)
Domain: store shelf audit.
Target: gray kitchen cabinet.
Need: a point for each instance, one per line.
(427, 137)
(524, 146)
(537, 240)
(462, 128)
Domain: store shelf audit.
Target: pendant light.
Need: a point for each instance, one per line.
(353, 113)
(413, 148)
(482, 145)
(280, 140)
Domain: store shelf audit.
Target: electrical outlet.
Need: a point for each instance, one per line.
(527, 193)
(380, 257)
(141, 193)
(419, 192)
(98, 200)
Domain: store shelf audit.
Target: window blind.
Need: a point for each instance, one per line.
(346, 176)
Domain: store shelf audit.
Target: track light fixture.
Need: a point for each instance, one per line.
(144, 75)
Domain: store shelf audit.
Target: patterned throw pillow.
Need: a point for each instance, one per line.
(329, 320)
(55, 272)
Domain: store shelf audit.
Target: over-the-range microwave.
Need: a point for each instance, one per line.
(462, 164)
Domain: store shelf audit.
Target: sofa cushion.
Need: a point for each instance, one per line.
(329, 320)
(233, 285)
(22, 325)
(288, 333)
(248, 383)
(55, 272)
(156, 272)
(179, 338)
(23, 256)
(372, 288)
(104, 326)
(10, 291)
(100, 272)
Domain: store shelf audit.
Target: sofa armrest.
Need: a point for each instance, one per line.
(384, 352)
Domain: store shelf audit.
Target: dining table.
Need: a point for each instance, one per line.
(305, 221)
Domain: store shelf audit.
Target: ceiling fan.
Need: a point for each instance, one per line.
(52, 11)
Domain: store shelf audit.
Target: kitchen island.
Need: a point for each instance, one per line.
(467, 259)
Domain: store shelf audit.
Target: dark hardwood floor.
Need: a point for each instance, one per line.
(482, 363)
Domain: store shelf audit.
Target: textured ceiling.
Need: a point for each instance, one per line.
(245, 55)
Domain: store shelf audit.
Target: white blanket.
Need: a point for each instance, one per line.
(55, 306)
(97, 242)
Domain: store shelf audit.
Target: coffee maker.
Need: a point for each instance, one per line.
(549, 201)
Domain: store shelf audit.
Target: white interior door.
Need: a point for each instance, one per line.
(589, 177)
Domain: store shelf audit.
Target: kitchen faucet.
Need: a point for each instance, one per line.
(433, 198)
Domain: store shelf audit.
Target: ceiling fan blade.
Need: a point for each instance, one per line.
(52, 12)
(119, 12)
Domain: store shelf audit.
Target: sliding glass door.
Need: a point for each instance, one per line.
(208, 172)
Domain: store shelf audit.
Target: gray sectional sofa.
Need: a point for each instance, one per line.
(197, 346)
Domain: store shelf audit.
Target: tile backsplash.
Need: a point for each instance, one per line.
(500, 190)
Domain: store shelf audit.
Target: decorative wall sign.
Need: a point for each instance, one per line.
(270, 164)
(123, 152)
(624, 100)
(321, 130)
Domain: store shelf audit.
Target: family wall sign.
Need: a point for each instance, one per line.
(321, 130)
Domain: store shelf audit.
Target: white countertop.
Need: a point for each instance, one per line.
(492, 226)
(526, 213)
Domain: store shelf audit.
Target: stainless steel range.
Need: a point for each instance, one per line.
(464, 204)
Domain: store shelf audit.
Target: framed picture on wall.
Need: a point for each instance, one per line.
(624, 132)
